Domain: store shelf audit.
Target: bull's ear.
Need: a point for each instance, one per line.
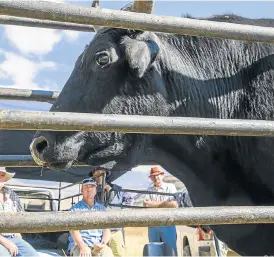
(140, 55)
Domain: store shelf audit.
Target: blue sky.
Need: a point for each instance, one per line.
(37, 58)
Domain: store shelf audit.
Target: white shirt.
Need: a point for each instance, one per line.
(124, 198)
(165, 188)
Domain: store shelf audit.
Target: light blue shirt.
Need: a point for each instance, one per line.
(91, 236)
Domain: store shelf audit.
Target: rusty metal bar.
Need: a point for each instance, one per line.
(67, 121)
(64, 221)
(24, 161)
(28, 95)
(27, 22)
(63, 12)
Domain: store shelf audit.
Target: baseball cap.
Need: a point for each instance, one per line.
(89, 181)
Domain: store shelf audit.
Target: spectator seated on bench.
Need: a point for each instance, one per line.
(12, 244)
(91, 242)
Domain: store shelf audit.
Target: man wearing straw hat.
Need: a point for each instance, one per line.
(165, 234)
(11, 244)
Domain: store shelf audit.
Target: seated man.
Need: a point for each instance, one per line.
(92, 242)
(116, 241)
(12, 244)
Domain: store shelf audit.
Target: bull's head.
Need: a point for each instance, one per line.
(117, 73)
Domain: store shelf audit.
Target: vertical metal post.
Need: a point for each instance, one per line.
(103, 188)
(59, 198)
(79, 190)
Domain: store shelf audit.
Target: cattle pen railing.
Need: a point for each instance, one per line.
(66, 16)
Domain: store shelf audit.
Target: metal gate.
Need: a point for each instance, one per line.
(64, 16)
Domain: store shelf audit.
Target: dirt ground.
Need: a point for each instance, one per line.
(136, 238)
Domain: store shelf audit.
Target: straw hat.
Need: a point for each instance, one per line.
(8, 174)
(155, 171)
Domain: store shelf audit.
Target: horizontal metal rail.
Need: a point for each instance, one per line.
(63, 12)
(71, 196)
(32, 186)
(38, 198)
(64, 221)
(142, 192)
(66, 121)
(24, 161)
(28, 95)
(17, 161)
(27, 22)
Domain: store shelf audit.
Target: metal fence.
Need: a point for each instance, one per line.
(66, 16)
(62, 12)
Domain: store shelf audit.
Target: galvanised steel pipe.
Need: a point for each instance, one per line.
(64, 12)
(67, 121)
(24, 161)
(27, 222)
(28, 95)
(27, 22)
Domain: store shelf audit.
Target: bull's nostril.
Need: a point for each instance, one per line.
(41, 146)
(37, 147)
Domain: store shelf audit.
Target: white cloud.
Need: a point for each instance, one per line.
(22, 71)
(32, 40)
(71, 35)
(38, 41)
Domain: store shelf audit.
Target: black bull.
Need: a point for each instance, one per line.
(144, 73)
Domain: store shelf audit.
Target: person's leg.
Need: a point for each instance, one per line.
(116, 243)
(153, 234)
(169, 236)
(4, 251)
(24, 248)
(105, 252)
(75, 251)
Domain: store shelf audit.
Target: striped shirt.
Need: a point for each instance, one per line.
(11, 204)
(91, 236)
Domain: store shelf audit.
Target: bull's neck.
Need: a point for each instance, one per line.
(197, 84)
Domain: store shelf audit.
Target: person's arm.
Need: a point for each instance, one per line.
(11, 247)
(19, 208)
(77, 238)
(105, 239)
(147, 198)
(163, 204)
(169, 204)
(83, 247)
(106, 236)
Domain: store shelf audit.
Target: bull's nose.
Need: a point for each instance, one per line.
(37, 147)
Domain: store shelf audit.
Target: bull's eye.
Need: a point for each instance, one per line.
(102, 59)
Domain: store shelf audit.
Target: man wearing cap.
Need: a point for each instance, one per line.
(12, 244)
(165, 234)
(116, 242)
(92, 242)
